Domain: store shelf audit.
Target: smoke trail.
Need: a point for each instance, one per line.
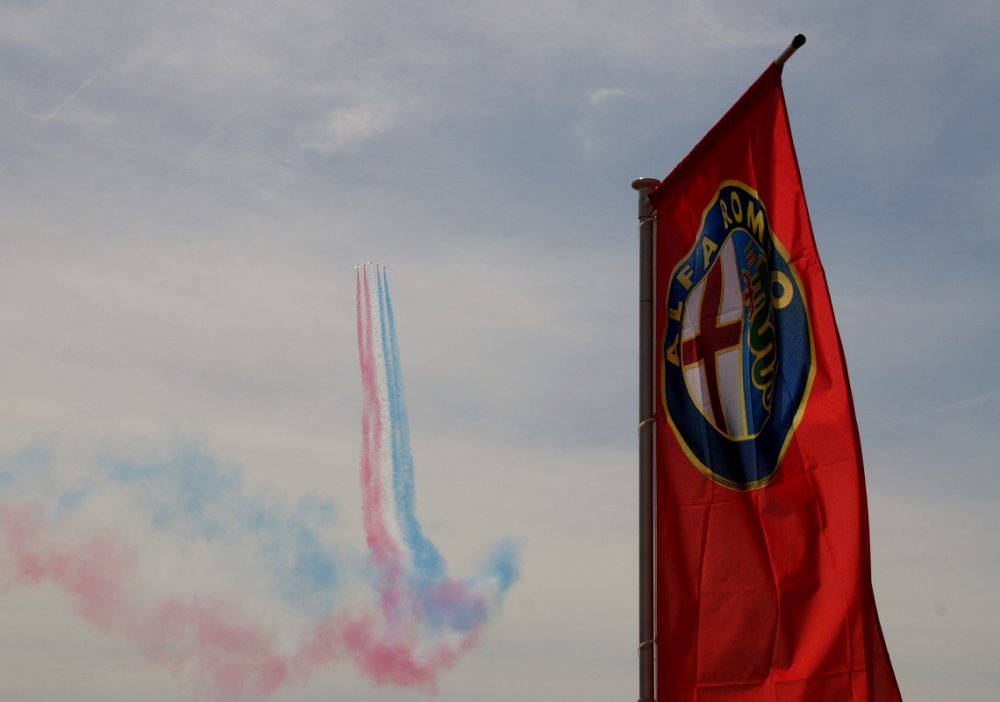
(269, 596)
(182, 487)
(237, 657)
(426, 558)
(454, 610)
(98, 574)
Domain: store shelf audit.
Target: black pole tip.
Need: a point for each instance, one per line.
(797, 41)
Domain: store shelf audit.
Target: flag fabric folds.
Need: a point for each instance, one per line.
(763, 577)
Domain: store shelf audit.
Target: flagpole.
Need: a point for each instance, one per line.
(796, 44)
(647, 232)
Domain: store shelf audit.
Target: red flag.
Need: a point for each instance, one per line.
(763, 567)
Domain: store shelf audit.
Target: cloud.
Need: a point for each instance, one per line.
(725, 28)
(343, 128)
(600, 96)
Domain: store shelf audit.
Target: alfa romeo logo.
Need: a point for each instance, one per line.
(737, 352)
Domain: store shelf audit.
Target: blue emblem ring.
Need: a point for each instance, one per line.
(738, 357)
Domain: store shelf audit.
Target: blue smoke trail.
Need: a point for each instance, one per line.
(426, 558)
(190, 491)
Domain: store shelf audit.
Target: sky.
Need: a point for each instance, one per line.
(187, 187)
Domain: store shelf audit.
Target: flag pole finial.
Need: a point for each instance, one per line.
(643, 186)
(640, 183)
(797, 42)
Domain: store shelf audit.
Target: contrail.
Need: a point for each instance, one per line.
(75, 94)
(216, 127)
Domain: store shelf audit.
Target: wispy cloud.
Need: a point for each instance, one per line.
(342, 128)
(600, 96)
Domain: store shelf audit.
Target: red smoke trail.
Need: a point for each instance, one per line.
(381, 545)
(233, 654)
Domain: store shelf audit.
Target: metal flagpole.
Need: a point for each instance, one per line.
(647, 232)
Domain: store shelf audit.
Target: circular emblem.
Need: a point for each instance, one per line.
(737, 351)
